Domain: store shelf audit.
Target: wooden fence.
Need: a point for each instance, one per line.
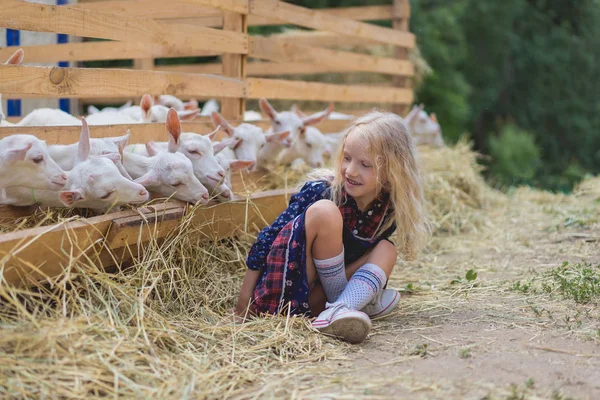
(144, 30)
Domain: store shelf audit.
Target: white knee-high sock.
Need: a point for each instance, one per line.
(363, 286)
(332, 274)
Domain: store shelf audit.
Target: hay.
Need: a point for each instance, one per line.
(157, 328)
(588, 188)
(455, 191)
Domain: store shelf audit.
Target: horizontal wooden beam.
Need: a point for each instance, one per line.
(16, 14)
(44, 253)
(158, 9)
(155, 9)
(140, 133)
(315, 19)
(92, 82)
(300, 90)
(108, 50)
(341, 61)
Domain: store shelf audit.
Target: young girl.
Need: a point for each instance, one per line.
(329, 254)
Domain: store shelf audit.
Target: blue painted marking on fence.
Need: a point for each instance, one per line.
(63, 104)
(13, 107)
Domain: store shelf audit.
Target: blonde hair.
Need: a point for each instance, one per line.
(397, 174)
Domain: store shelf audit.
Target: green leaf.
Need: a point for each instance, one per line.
(471, 275)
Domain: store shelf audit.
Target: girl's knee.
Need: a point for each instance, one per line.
(324, 212)
(388, 248)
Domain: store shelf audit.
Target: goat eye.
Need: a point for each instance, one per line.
(262, 145)
(277, 122)
(38, 159)
(309, 145)
(177, 184)
(106, 196)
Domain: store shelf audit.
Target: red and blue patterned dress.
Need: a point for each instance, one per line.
(280, 249)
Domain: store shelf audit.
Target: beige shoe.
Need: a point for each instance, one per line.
(384, 303)
(342, 322)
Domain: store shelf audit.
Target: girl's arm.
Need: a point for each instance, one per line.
(248, 285)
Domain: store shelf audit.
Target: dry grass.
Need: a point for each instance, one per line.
(160, 327)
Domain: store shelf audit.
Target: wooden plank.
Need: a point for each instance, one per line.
(234, 66)
(16, 14)
(44, 253)
(300, 90)
(155, 9)
(140, 133)
(273, 50)
(158, 9)
(93, 82)
(322, 39)
(108, 50)
(326, 22)
(401, 22)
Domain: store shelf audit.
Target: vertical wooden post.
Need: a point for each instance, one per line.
(234, 66)
(400, 21)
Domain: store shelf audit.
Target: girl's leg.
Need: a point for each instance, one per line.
(324, 252)
(367, 280)
(384, 254)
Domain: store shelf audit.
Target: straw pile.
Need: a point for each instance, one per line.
(158, 328)
(455, 191)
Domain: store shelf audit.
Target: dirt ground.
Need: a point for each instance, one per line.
(484, 338)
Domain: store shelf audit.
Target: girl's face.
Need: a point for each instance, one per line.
(358, 171)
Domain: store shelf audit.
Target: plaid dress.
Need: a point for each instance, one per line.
(280, 249)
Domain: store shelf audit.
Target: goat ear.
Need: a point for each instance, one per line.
(318, 117)
(70, 197)
(188, 115)
(433, 117)
(173, 125)
(277, 137)
(148, 179)
(220, 122)
(19, 153)
(296, 110)
(83, 147)
(240, 164)
(213, 134)
(218, 147)
(152, 148)
(267, 108)
(121, 140)
(190, 105)
(146, 105)
(114, 157)
(16, 58)
(411, 114)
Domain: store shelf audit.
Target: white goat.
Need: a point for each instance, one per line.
(95, 110)
(94, 182)
(15, 59)
(424, 129)
(166, 173)
(24, 160)
(65, 155)
(198, 148)
(148, 112)
(252, 116)
(249, 139)
(289, 121)
(170, 101)
(208, 108)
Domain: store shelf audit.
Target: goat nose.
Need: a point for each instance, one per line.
(222, 174)
(205, 196)
(143, 192)
(63, 176)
